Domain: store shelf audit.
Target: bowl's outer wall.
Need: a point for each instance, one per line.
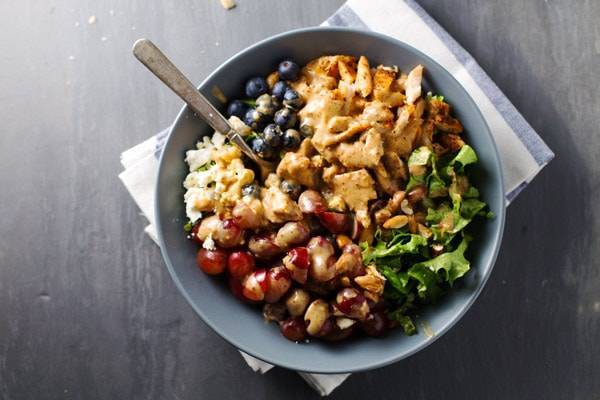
(243, 325)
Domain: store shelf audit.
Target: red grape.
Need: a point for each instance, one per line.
(311, 201)
(263, 246)
(213, 262)
(293, 329)
(279, 283)
(229, 234)
(335, 222)
(299, 257)
(375, 324)
(240, 264)
(256, 285)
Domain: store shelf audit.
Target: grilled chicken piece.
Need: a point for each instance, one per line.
(413, 84)
(356, 188)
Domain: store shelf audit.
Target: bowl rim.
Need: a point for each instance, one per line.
(394, 357)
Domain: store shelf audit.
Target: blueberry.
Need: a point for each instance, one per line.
(237, 108)
(272, 135)
(290, 188)
(265, 104)
(306, 130)
(276, 103)
(292, 99)
(251, 190)
(285, 118)
(291, 139)
(256, 86)
(254, 119)
(260, 147)
(279, 89)
(288, 70)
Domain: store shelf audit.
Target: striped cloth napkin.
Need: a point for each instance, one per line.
(522, 151)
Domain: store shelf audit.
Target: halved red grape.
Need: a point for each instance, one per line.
(352, 303)
(311, 201)
(229, 234)
(356, 230)
(256, 285)
(335, 222)
(297, 263)
(293, 329)
(299, 257)
(375, 324)
(292, 233)
(263, 246)
(279, 281)
(245, 216)
(322, 262)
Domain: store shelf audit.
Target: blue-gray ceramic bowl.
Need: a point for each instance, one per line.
(242, 325)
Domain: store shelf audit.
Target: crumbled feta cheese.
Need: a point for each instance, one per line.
(199, 179)
(197, 158)
(218, 139)
(209, 243)
(191, 212)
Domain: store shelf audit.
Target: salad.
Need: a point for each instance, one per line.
(365, 219)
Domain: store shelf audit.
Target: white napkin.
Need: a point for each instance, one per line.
(522, 151)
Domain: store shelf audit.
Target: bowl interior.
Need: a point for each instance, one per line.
(243, 325)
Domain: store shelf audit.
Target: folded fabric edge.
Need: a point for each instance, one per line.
(324, 384)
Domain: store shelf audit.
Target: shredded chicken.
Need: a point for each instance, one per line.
(278, 206)
(298, 168)
(413, 84)
(401, 140)
(356, 188)
(384, 83)
(365, 152)
(364, 82)
(439, 113)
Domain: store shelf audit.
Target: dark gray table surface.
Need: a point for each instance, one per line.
(87, 309)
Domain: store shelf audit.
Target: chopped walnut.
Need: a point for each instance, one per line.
(372, 282)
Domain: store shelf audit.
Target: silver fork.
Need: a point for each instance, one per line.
(155, 60)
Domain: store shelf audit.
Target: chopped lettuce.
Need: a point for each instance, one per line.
(406, 322)
(415, 181)
(413, 276)
(465, 156)
(398, 280)
(400, 315)
(447, 222)
(436, 185)
(471, 207)
(428, 286)
(420, 156)
(401, 243)
(452, 264)
(418, 161)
